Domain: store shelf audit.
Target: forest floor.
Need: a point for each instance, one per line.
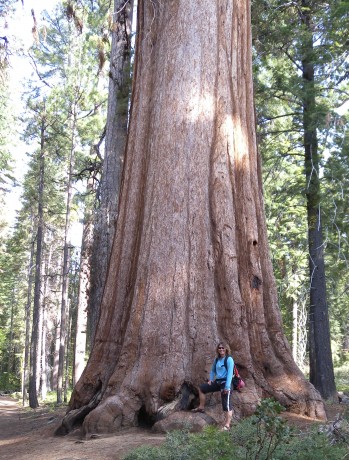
(28, 435)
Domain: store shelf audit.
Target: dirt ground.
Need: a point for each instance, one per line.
(28, 435)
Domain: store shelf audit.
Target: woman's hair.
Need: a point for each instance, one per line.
(227, 349)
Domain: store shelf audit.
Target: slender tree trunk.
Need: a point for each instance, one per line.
(66, 268)
(43, 386)
(115, 141)
(295, 331)
(27, 326)
(303, 335)
(56, 349)
(10, 350)
(190, 263)
(35, 338)
(67, 363)
(40, 364)
(84, 289)
(321, 365)
(44, 354)
(345, 346)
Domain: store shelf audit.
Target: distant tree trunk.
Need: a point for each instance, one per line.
(62, 326)
(295, 330)
(303, 334)
(27, 325)
(40, 329)
(35, 337)
(345, 347)
(321, 365)
(10, 350)
(84, 289)
(66, 265)
(115, 142)
(56, 351)
(56, 326)
(44, 353)
(43, 386)
(190, 263)
(67, 355)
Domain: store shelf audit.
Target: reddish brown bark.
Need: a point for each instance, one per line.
(190, 262)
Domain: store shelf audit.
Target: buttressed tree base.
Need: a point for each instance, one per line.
(190, 262)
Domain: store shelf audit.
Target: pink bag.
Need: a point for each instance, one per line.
(240, 384)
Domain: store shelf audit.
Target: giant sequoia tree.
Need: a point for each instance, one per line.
(190, 262)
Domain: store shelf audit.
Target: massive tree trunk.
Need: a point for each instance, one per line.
(321, 364)
(190, 262)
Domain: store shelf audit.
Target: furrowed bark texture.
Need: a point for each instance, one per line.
(190, 263)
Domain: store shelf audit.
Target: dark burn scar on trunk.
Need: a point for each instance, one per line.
(256, 282)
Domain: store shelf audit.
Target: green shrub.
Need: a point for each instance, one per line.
(311, 446)
(264, 436)
(9, 382)
(181, 445)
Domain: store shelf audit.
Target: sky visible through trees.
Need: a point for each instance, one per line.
(20, 35)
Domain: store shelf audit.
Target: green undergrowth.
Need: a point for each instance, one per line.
(341, 376)
(341, 373)
(49, 403)
(51, 400)
(263, 436)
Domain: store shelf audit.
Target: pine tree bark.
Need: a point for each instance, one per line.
(320, 355)
(115, 142)
(10, 350)
(44, 330)
(190, 262)
(27, 326)
(295, 330)
(35, 351)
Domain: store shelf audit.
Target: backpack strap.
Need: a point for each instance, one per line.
(235, 370)
(225, 362)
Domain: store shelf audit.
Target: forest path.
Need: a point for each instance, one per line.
(28, 435)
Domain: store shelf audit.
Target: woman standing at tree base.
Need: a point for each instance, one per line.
(221, 376)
